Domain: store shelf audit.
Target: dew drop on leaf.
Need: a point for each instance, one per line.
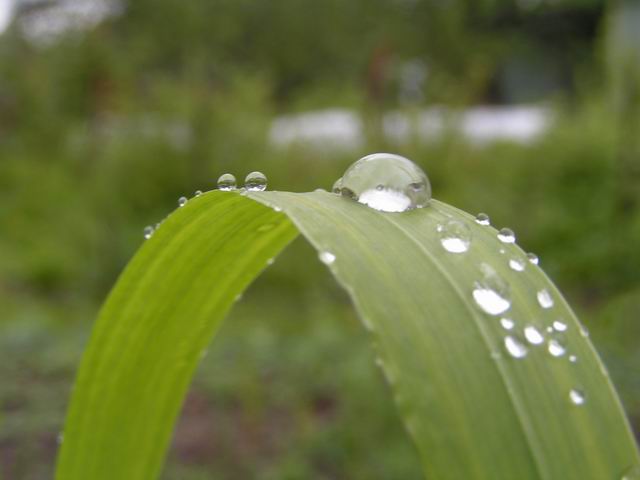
(506, 235)
(255, 182)
(491, 293)
(483, 219)
(386, 182)
(198, 193)
(507, 323)
(515, 347)
(559, 326)
(544, 298)
(327, 257)
(455, 236)
(556, 347)
(577, 396)
(226, 182)
(516, 264)
(573, 358)
(182, 201)
(533, 335)
(148, 232)
(533, 258)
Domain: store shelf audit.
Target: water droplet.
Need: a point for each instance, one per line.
(182, 201)
(455, 236)
(556, 347)
(533, 335)
(320, 190)
(559, 326)
(544, 298)
(515, 347)
(483, 219)
(198, 193)
(573, 358)
(533, 258)
(327, 257)
(255, 182)
(577, 396)
(507, 323)
(226, 182)
(337, 186)
(516, 264)
(584, 331)
(271, 261)
(277, 209)
(386, 182)
(632, 473)
(506, 235)
(550, 329)
(492, 292)
(238, 297)
(148, 232)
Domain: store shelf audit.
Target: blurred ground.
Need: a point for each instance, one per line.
(111, 111)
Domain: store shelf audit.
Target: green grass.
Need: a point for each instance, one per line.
(459, 392)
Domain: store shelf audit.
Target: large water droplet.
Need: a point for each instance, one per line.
(559, 326)
(455, 236)
(577, 396)
(491, 293)
(182, 201)
(516, 264)
(226, 182)
(506, 235)
(632, 473)
(386, 182)
(556, 347)
(148, 232)
(515, 347)
(544, 298)
(483, 219)
(533, 258)
(327, 257)
(255, 182)
(507, 323)
(533, 335)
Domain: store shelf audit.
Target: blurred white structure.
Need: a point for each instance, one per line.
(343, 129)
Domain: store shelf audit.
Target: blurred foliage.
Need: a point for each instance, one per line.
(102, 130)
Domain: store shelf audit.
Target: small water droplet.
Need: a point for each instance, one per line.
(182, 201)
(577, 396)
(320, 190)
(198, 193)
(556, 347)
(385, 182)
(483, 219)
(533, 258)
(507, 323)
(515, 347)
(491, 293)
(455, 236)
(271, 261)
(584, 331)
(573, 358)
(533, 335)
(550, 329)
(255, 182)
(226, 182)
(516, 264)
(559, 326)
(502, 251)
(544, 298)
(506, 235)
(238, 297)
(632, 473)
(277, 209)
(327, 257)
(148, 232)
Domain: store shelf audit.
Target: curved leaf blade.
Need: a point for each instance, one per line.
(472, 411)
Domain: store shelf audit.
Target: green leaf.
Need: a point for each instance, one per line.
(474, 411)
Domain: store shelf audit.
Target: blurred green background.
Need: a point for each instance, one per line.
(528, 110)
